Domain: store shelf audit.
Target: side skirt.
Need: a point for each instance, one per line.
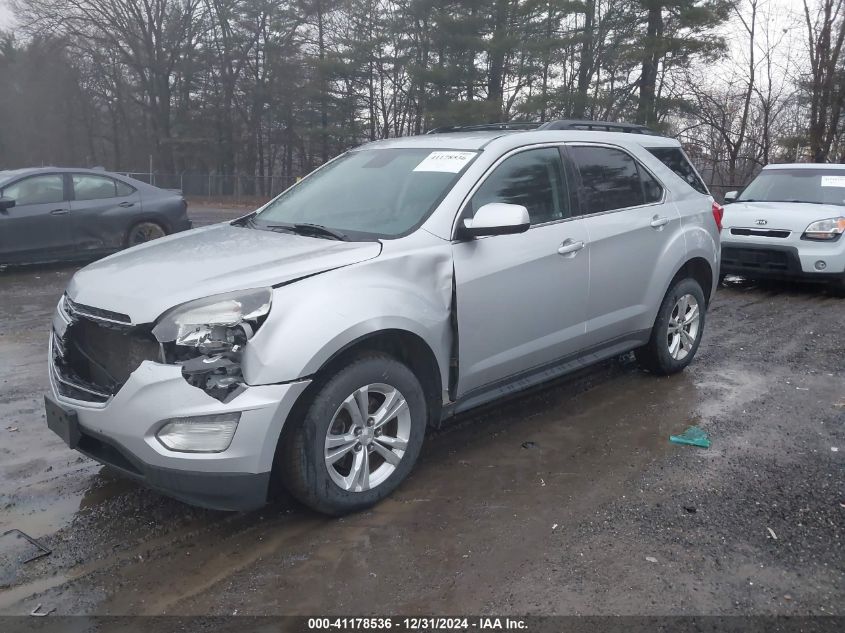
(516, 384)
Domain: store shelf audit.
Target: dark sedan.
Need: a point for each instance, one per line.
(52, 214)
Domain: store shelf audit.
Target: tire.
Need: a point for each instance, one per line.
(334, 425)
(666, 354)
(144, 232)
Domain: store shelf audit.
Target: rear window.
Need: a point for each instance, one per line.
(675, 160)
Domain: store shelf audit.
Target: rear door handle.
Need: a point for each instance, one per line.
(570, 247)
(59, 212)
(126, 205)
(658, 222)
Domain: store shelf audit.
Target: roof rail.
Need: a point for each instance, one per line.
(597, 126)
(484, 127)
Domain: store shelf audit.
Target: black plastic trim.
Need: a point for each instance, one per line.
(793, 268)
(536, 376)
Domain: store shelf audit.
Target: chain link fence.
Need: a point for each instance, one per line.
(216, 185)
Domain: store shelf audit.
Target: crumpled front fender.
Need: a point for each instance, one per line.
(408, 289)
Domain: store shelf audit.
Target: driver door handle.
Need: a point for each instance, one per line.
(658, 222)
(126, 205)
(59, 212)
(570, 247)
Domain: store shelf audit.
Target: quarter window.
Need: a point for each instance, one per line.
(533, 179)
(45, 189)
(123, 189)
(675, 160)
(610, 178)
(91, 187)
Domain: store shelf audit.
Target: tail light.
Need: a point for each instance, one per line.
(718, 214)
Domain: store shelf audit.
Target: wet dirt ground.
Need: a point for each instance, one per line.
(569, 500)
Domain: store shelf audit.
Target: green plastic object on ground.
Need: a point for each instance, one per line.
(693, 436)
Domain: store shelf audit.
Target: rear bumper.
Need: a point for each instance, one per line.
(777, 262)
(182, 224)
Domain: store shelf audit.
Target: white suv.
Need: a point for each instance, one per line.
(788, 223)
(313, 341)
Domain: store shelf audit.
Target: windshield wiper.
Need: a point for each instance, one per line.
(245, 221)
(311, 230)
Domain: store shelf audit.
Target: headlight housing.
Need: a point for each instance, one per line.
(825, 230)
(217, 323)
(206, 337)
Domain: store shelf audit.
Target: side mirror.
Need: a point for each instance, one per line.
(497, 218)
(731, 196)
(6, 204)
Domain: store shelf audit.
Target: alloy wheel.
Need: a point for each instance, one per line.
(145, 232)
(684, 325)
(367, 437)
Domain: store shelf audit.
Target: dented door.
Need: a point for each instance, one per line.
(102, 212)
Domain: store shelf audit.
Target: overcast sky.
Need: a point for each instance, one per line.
(780, 14)
(5, 14)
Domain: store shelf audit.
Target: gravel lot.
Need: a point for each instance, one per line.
(570, 500)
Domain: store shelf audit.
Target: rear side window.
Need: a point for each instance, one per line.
(675, 160)
(90, 187)
(609, 178)
(533, 179)
(44, 189)
(123, 189)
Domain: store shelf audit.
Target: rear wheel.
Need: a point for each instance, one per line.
(144, 232)
(677, 330)
(359, 438)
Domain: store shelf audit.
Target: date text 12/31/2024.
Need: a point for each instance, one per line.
(418, 624)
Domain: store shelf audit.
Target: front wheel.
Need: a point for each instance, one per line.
(359, 438)
(677, 330)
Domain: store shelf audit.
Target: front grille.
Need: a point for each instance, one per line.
(93, 360)
(77, 309)
(761, 232)
(761, 259)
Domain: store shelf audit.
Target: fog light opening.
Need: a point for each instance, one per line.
(200, 433)
(821, 264)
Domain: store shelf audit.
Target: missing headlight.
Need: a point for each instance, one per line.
(207, 337)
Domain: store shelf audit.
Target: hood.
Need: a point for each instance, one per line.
(145, 281)
(788, 216)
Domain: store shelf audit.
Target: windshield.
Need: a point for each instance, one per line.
(820, 186)
(369, 193)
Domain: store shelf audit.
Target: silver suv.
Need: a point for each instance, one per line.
(312, 342)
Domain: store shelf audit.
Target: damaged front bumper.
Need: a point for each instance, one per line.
(121, 432)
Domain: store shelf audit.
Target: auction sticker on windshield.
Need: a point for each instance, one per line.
(445, 161)
(833, 181)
